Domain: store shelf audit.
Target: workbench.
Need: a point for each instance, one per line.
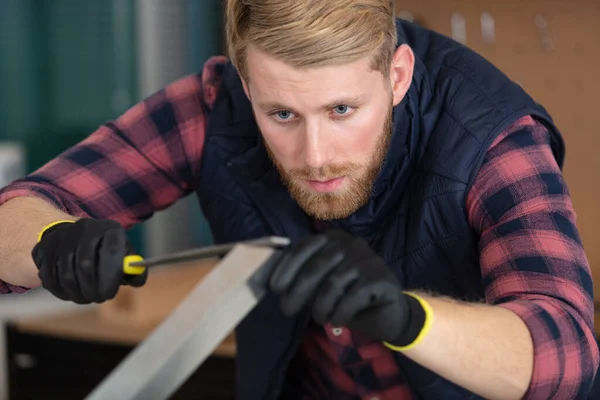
(65, 356)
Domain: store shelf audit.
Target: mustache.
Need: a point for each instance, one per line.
(323, 173)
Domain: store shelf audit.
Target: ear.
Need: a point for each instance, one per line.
(245, 85)
(401, 72)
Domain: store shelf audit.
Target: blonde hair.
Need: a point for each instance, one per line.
(311, 33)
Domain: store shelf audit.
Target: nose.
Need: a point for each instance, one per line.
(316, 150)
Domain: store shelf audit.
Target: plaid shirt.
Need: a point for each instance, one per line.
(532, 259)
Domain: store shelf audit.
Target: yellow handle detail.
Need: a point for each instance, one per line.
(50, 226)
(132, 270)
(424, 331)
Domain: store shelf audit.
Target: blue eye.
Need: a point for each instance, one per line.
(284, 114)
(341, 109)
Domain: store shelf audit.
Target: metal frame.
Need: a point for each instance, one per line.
(160, 364)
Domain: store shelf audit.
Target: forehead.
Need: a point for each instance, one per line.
(269, 77)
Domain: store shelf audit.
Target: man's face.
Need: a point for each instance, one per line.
(326, 129)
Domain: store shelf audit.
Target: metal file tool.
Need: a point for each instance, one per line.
(161, 363)
(210, 251)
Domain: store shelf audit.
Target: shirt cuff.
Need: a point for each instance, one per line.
(7, 288)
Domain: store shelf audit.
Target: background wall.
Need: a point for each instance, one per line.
(551, 48)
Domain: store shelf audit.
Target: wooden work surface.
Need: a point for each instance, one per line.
(87, 326)
(133, 313)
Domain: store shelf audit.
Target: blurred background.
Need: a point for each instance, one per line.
(67, 66)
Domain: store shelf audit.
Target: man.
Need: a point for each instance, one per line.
(435, 253)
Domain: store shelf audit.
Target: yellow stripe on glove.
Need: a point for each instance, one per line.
(424, 331)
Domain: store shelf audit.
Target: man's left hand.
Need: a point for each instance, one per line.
(346, 284)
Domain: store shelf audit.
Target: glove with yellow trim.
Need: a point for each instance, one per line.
(83, 261)
(346, 284)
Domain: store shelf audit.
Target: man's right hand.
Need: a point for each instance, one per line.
(82, 261)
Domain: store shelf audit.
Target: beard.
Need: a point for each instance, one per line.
(358, 185)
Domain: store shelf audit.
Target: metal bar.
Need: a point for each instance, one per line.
(159, 365)
(209, 251)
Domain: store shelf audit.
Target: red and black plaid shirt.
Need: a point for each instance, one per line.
(532, 259)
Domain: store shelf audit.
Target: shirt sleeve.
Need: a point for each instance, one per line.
(532, 259)
(138, 164)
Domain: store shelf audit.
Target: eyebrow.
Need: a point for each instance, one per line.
(351, 101)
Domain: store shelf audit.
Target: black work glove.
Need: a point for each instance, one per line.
(83, 261)
(346, 284)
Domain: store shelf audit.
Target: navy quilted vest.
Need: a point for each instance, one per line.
(416, 219)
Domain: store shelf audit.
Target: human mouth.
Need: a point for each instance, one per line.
(325, 186)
